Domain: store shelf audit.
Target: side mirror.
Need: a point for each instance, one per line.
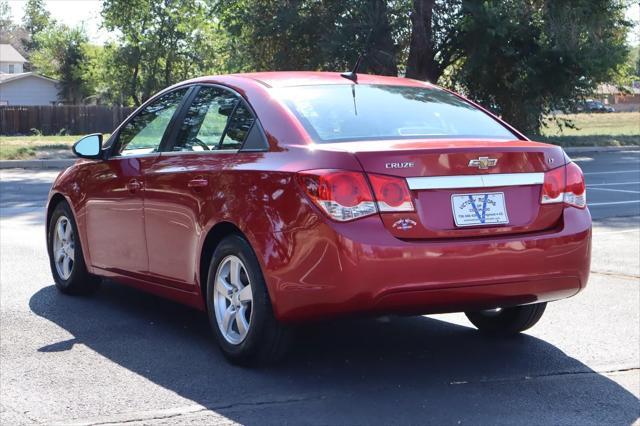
(89, 147)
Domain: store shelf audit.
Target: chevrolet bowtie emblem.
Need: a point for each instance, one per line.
(483, 162)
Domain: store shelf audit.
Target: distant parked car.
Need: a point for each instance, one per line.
(272, 199)
(594, 106)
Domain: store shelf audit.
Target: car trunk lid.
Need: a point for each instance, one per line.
(493, 185)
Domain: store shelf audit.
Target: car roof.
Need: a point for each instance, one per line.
(310, 78)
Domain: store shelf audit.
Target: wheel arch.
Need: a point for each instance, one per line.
(54, 200)
(216, 234)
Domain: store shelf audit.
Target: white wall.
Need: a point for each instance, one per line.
(29, 91)
(17, 67)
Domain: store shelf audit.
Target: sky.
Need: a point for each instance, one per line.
(87, 13)
(72, 13)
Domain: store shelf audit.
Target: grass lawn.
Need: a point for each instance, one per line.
(612, 129)
(40, 147)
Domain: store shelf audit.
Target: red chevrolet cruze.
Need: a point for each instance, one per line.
(271, 199)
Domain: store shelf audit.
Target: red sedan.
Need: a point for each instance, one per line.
(270, 199)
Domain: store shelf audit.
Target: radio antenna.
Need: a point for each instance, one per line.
(353, 74)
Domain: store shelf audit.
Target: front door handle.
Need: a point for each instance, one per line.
(134, 185)
(198, 183)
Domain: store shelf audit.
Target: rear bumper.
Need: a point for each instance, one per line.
(330, 269)
(474, 297)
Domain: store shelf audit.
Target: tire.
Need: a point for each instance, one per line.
(507, 321)
(69, 273)
(242, 320)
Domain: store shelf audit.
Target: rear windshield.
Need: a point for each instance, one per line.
(341, 113)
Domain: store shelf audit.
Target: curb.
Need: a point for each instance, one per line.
(37, 164)
(586, 149)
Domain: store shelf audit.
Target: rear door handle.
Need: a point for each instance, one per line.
(198, 183)
(134, 185)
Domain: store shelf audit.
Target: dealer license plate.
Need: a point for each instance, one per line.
(479, 209)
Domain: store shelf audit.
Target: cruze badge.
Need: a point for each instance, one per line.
(483, 162)
(404, 224)
(399, 165)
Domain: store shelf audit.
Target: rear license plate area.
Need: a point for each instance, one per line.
(479, 209)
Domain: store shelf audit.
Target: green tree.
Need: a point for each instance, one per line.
(36, 19)
(5, 15)
(521, 58)
(161, 43)
(526, 58)
(414, 37)
(375, 29)
(93, 73)
(314, 35)
(62, 55)
(628, 71)
(434, 31)
(6, 24)
(10, 33)
(272, 34)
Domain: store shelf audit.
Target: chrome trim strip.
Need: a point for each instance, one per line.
(475, 181)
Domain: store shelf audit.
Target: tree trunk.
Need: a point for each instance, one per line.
(136, 68)
(421, 63)
(168, 67)
(381, 55)
(134, 80)
(525, 118)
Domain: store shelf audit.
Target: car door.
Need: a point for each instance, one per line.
(181, 185)
(115, 187)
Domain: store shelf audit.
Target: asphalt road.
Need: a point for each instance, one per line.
(613, 182)
(125, 356)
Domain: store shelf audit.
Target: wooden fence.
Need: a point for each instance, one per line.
(53, 120)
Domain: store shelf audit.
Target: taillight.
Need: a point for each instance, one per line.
(553, 186)
(564, 185)
(343, 195)
(391, 193)
(575, 192)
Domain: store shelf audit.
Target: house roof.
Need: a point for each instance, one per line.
(5, 78)
(612, 89)
(9, 54)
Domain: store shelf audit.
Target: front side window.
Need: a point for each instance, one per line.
(216, 119)
(143, 133)
(339, 113)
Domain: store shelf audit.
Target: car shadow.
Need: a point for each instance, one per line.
(401, 371)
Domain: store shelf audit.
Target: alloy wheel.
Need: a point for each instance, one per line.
(63, 247)
(233, 299)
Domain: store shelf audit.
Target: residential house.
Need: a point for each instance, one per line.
(23, 88)
(28, 88)
(11, 62)
(621, 98)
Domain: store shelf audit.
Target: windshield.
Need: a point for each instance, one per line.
(340, 113)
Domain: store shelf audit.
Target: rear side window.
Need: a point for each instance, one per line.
(239, 127)
(216, 119)
(354, 112)
(143, 133)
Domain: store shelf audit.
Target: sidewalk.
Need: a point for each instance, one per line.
(37, 164)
